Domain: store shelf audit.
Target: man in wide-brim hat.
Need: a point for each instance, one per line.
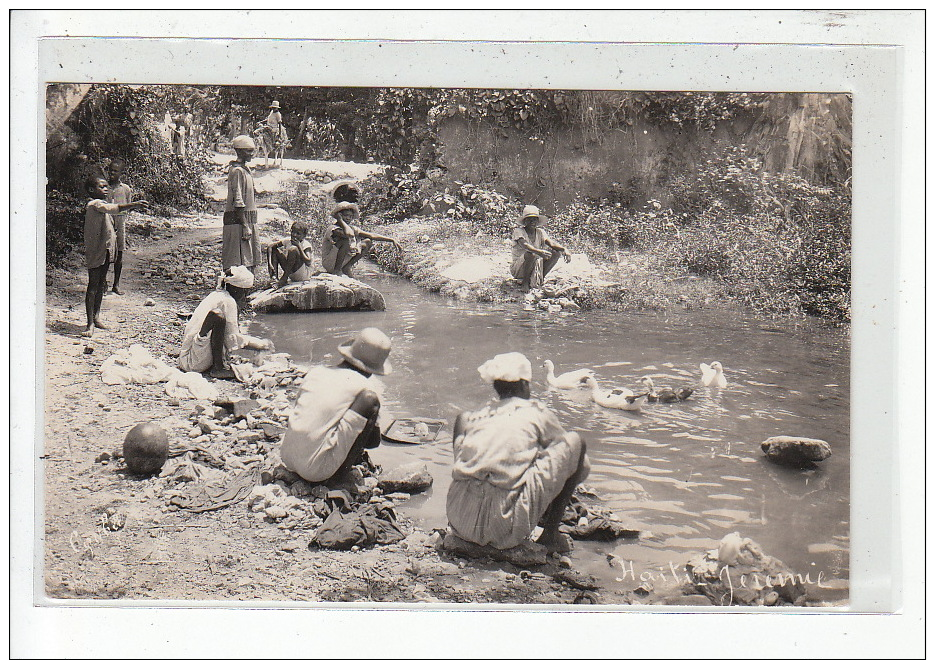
(344, 243)
(534, 253)
(335, 416)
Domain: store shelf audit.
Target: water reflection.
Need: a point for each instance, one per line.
(686, 473)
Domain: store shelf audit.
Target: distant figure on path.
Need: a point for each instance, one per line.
(120, 193)
(335, 416)
(344, 244)
(515, 467)
(534, 253)
(213, 331)
(241, 247)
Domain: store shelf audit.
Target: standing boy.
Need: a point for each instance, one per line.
(120, 193)
(241, 247)
(99, 245)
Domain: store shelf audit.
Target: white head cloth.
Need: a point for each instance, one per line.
(506, 366)
(240, 277)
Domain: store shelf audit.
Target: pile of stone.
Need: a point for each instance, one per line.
(554, 296)
(188, 265)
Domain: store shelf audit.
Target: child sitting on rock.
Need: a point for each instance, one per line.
(344, 243)
(213, 330)
(294, 257)
(100, 243)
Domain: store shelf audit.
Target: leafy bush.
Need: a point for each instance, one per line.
(64, 223)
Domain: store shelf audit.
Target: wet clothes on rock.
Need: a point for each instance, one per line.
(100, 237)
(240, 210)
(510, 462)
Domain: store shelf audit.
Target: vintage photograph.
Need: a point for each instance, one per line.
(594, 346)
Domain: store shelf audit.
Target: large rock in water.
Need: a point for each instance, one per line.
(323, 291)
(790, 450)
(407, 478)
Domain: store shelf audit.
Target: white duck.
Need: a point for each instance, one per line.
(566, 381)
(713, 374)
(620, 398)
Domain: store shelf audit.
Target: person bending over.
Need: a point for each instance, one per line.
(344, 243)
(213, 331)
(335, 416)
(514, 465)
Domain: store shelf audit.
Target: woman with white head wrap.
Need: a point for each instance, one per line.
(241, 246)
(213, 331)
(514, 465)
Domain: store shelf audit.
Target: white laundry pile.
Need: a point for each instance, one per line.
(134, 365)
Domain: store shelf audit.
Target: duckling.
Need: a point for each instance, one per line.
(713, 375)
(619, 398)
(666, 394)
(567, 381)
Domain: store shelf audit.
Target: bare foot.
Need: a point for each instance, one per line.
(556, 542)
(98, 323)
(222, 374)
(117, 291)
(89, 331)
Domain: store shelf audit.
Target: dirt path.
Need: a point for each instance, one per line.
(229, 554)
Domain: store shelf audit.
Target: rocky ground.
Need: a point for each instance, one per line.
(109, 534)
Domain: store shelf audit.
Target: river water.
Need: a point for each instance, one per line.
(686, 474)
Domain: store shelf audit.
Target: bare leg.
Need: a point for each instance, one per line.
(552, 517)
(364, 249)
(100, 288)
(344, 249)
(290, 260)
(215, 325)
(367, 404)
(96, 284)
(118, 269)
(549, 264)
(526, 271)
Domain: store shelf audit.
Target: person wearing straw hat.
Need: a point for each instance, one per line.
(344, 243)
(534, 253)
(213, 330)
(335, 416)
(241, 246)
(277, 129)
(515, 467)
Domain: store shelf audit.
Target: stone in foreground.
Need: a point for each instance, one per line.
(790, 450)
(408, 478)
(321, 292)
(525, 554)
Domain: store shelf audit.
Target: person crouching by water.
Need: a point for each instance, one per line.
(241, 246)
(335, 416)
(213, 330)
(344, 243)
(294, 257)
(534, 253)
(514, 465)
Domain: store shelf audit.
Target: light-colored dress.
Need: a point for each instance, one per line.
(241, 198)
(99, 235)
(520, 263)
(322, 427)
(510, 462)
(120, 194)
(195, 354)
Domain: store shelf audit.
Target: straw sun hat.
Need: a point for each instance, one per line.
(368, 351)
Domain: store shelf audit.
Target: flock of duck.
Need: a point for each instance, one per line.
(622, 398)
